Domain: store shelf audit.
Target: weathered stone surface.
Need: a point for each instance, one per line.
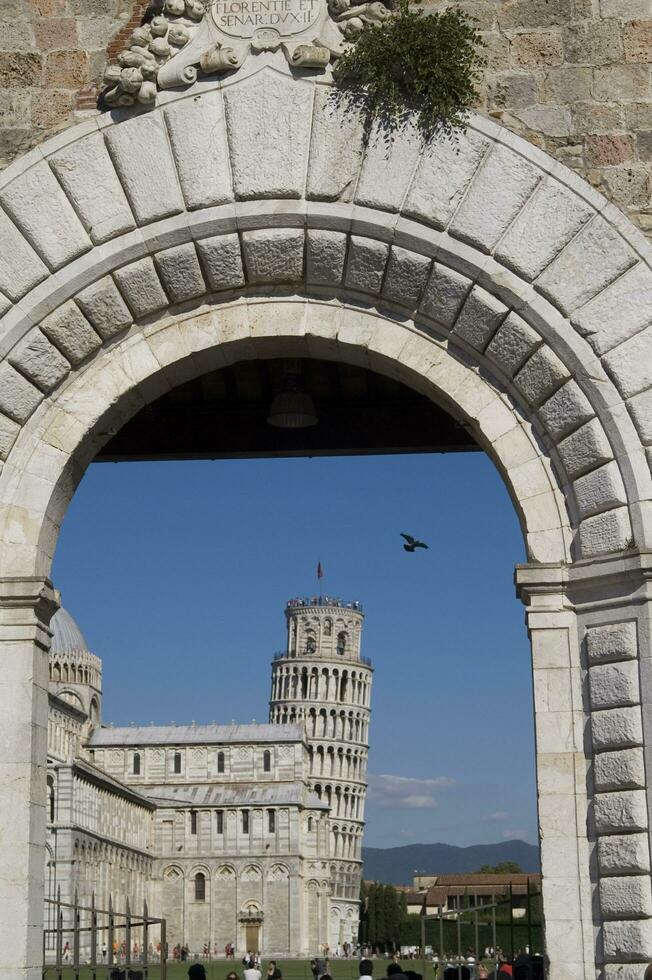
(621, 971)
(406, 276)
(198, 136)
(614, 685)
(274, 255)
(626, 898)
(444, 295)
(499, 190)
(444, 172)
(606, 533)
(640, 409)
(266, 164)
(335, 149)
(221, 260)
(553, 215)
(87, 174)
(104, 307)
(179, 269)
(592, 260)
(566, 410)
(38, 360)
(621, 812)
(20, 266)
(628, 940)
(365, 267)
(70, 331)
(325, 257)
(624, 854)
(18, 397)
(512, 343)
(540, 376)
(618, 312)
(584, 450)
(479, 318)
(141, 288)
(624, 769)
(142, 156)
(387, 169)
(43, 213)
(600, 490)
(616, 728)
(611, 641)
(8, 433)
(630, 364)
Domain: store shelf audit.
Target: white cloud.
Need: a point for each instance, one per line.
(386, 790)
(496, 817)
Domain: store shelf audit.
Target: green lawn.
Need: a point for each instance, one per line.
(218, 969)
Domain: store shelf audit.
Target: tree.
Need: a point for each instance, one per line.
(503, 868)
(392, 916)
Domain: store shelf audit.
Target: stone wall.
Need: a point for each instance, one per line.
(571, 76)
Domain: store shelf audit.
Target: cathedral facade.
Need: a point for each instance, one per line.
(242, 834)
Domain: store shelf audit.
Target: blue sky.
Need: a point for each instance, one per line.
(178, 574)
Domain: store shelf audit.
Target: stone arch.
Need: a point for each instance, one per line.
(140, 252)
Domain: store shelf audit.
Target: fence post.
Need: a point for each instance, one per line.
(75, 936)
(110, 940)
(164, 950)
(128, 935)
(145, 939)
(93, 937)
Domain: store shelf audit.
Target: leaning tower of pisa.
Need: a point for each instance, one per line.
(322, 680)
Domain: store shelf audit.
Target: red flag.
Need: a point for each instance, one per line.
(320, 570)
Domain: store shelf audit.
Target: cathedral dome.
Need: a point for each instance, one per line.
(67, 637)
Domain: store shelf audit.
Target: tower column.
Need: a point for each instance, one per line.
(314, 680)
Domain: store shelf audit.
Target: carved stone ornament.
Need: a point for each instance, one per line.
(187, 36)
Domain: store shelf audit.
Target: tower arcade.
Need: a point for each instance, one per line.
(322, 679)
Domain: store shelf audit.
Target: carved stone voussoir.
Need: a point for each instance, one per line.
(217, 36)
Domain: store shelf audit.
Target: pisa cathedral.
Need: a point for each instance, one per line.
(244, 834)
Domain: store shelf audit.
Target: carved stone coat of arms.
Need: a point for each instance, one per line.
(188, 37)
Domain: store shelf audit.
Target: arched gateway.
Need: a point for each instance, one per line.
(244, 219)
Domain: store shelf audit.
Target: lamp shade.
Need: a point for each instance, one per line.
(292, 410)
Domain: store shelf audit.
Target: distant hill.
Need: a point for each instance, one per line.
(396, 865)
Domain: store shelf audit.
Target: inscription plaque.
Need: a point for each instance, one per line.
(244, 18)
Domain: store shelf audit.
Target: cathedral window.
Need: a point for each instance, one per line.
(177, 763)
(341, 643)
(311, 645)
(309, 825)
(245, 821)
(220, 762)
(220, 821)
(267, 761)
(271, 821)
(200, 887)
(135, 768)
(193, 821)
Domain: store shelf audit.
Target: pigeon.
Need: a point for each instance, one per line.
(412, 543)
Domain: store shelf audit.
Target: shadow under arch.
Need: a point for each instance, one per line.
(64, 435)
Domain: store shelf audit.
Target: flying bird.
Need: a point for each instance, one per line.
(412, 543)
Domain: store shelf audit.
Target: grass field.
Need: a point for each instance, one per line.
(218, 969)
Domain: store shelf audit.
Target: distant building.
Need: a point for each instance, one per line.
(447, 893)
(244, 834)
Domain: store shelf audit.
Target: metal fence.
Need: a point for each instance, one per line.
(82, 942)
(500, 931)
